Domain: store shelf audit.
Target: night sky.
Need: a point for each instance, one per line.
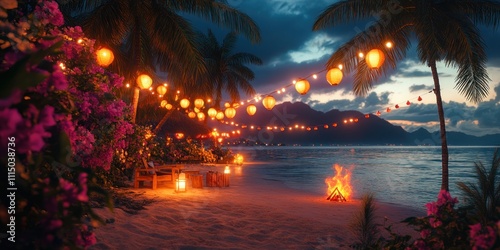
(290, 49)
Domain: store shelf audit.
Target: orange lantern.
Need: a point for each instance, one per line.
(201, 116)
(230, 112)
(212, 112)
(227, 105)
(163, 103)
(419, 98)
(302, 86)
(269, 102)
(179, 135)
(367, 116)
(375, 58)
(161, 90)
(104, 57)
(144, 81)
(192, 114)
(251, 109)
(199, 103)
(184, 103)
(408, 102)
(219, 115)
(168, 106)
(334, 76)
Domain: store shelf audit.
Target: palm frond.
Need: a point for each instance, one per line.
(485, 12)
(109, 22)
(364, 226)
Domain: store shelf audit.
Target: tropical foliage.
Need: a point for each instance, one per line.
(444, 31)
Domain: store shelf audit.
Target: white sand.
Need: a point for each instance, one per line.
(253, 213)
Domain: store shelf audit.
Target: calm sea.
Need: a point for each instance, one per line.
(404, 175)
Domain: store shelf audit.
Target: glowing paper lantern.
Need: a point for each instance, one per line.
(227, 170)
(334, 76)
(199, 103)
(212, 112)
(388, 110)
(144, 81)
(408, 103)
(251, 109)
(419, 98)
(219, 115)
(184, 103)
(397, 106)
(375, 58)
(180, 183)
(161, 90)
(179, 135)
(367, 116)
(104, 57)
(378, 113)
(168, 106)
(227, 105)
(201, 116)
(192, 114)
(163, 103)
(302, 86)
(269, 102)
(230, 112)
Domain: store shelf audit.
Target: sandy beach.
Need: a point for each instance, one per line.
(252, 213)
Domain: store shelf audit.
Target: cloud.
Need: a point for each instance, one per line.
(415, 87)
(315, 49)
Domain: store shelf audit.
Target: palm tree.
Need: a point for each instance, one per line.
(150, 35)
(445, 30)
(484, 195)
(226, 71)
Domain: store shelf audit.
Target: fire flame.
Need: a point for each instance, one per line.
(341, 181)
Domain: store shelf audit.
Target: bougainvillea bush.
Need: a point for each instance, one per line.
(59, 112)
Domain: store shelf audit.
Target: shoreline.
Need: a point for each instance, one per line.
(252, 213)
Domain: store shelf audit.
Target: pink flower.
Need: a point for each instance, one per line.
(9, 119)
(82, 181)
(444, 197)
(425, 233)
(432, 208)
(435, 222)
(482, 238)
(46, 117)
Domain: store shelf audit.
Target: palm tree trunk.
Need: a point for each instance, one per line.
(135, 102)
(162, 121)
(442, 128)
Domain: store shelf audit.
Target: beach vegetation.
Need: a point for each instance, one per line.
(364, 225)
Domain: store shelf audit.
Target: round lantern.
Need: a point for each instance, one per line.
(184, 103)
(251, 109)
(375, 58)
(230, 112)
(163, 103)
(227, 105)
(144, 81)
(105, 57)
(219, 115)
(212, 112)
(161, 90)
(199, 103)
(302, 86)
(192, 114)
(201, 116)
(334, 76)
(168, 106)
(269, 102)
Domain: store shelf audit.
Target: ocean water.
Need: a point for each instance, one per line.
(403, 175)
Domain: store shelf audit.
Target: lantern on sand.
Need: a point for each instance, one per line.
(144, 81)
(184, 103)
(251, 109)
(334, 76)
(104, 57)
(302, 86)
(230, 112)
(269, 102)
(199, 103)
(375, 58)
(180, 183)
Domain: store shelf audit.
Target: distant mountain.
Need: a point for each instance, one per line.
(339, 128)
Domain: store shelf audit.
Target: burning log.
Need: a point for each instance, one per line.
(336, 195)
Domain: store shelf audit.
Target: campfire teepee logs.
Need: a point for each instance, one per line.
(336, 195)
(339, 186)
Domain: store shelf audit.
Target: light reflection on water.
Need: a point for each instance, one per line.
(403, 175)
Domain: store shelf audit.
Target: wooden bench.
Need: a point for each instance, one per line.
(155, 174)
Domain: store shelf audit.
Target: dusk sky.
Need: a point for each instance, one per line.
(290, 49)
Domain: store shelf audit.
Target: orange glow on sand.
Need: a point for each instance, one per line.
(342, 182)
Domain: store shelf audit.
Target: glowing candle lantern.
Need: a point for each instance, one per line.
(192, 114)
(302, 86)
(269, 102)
(378, 113)
(251, 109)
(219, 115)
(163, 103)
(419, 98)
(169, 106)
(161, 90)
(408, 103)
(104, 57)
(199, 103)
(201, 116)
(230, 112)
(212, 112)
(227, 170)
(375, 58)
(367, 116)
(184, 103)
(180, 183)
(334, 76)
(227, 105)
(144, 81)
